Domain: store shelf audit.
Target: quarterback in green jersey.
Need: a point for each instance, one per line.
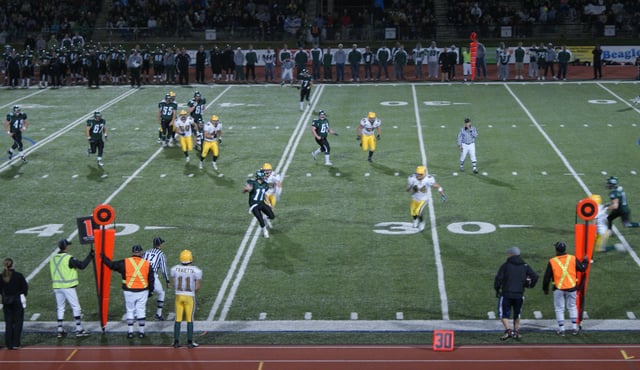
(258, 202)
(320, 129)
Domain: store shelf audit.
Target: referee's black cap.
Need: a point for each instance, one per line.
(158, 241)
(467, 120)
(137, 248)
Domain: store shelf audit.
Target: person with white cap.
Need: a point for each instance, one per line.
(512, 278)
(562, 271)
(64, 278)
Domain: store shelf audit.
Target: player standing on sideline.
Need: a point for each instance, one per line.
(320, 130)
(137, 282)
(275, 184)
(467, 144)
(186, 280)
(14, 125)
(167, 110)
(64, 278)
(95, 130)
(305, 88)
(366, 129)
(258, 203)
(212, 136)
(418, 185)
(618, 205)
(158, 262)
(184, 126)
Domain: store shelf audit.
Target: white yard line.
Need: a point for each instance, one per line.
(281, 168)
(22, 98)
(564, 160)
(130, 178)
(444, 301)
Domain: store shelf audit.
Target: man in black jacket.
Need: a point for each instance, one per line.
(512, 278)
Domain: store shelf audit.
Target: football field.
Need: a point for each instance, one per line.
(342, 245)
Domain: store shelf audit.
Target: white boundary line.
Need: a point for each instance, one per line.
(444, 301)
(568, 165)
(22, 98)
(285, 160)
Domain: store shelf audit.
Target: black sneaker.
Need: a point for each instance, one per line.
(10, 154)
(176, 344)
(475, 170)
(516, 335)
(130, 335)
(192, 344)
(61, 334)
(159, 317)
(506, 335)
(141, 335)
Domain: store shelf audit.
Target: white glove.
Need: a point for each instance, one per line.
(23, 300)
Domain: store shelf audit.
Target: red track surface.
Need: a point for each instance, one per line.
(521, 357)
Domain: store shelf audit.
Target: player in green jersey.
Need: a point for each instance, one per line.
(320, 130)
(258, 202)
(618, 205)
(96, 132)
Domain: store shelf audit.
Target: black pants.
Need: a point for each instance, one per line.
(96, 145)
(261, 208)
(14, 319)
(135, 76)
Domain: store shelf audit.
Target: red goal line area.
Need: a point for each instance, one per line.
(525, 357)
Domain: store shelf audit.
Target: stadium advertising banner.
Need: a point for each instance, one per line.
(582, 54)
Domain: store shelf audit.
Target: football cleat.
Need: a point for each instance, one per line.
(265, 232)
(315, 156)
(215, 166)
(415, 223)
(10, 154)
(421, 226)
(200, 165)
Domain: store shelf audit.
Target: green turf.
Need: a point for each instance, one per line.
(324, 256)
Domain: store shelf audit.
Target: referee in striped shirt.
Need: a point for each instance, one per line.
(158, 262)
(467, 144)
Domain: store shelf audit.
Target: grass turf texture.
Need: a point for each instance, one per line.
(538, 145)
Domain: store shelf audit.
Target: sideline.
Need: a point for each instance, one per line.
(343, 326)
